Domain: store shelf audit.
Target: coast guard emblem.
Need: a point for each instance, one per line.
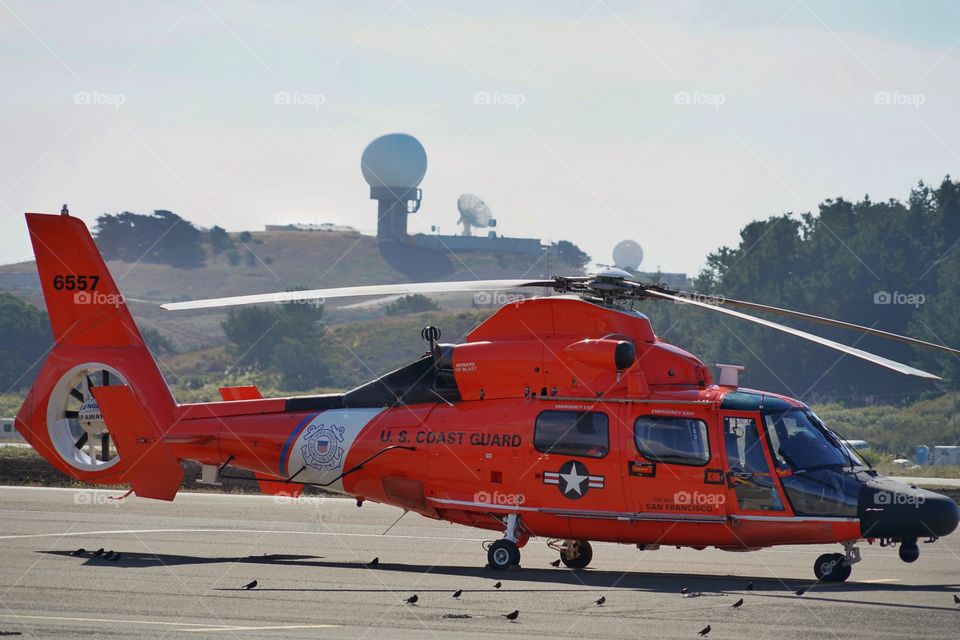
(321, 446)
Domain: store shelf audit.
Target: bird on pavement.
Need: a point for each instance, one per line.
(98, 552)
(498, 585)
(750, 586)
(81, 551)
(374, 562)
(704, 631)
(600, 602)
(458, 593)
(412, 599)
(800, 592)
(555, 563)
(249, 585)
(737, 604)
(513, 615)
(108, 555)
(956, 599)
(684, 591)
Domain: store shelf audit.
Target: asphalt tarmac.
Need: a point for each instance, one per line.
(183, 564)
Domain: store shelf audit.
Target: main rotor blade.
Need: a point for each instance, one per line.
(858, 353)
(789, 313)
(350, 292)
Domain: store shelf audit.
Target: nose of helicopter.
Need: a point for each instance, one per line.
(890, 509)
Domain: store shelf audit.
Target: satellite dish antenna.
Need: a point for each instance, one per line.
(393, 165)
(474, 212)
(628, 254)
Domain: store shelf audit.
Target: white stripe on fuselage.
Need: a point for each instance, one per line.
(321, 448)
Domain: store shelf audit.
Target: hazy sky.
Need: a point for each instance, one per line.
(669, 123)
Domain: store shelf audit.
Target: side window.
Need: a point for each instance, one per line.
(572, 433)
(672, 440)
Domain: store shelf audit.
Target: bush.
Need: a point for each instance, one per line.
(415, 303)
(24, 337)
(157, 342)
(220, 240)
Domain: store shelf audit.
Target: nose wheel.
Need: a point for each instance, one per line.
(837, 567)
(832, 567)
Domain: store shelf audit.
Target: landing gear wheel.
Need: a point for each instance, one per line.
(503, 554)
(832, 567)
(577, 554)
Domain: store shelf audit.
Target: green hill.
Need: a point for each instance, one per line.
(270, 261)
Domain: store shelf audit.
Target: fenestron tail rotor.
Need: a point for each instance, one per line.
(76, 427)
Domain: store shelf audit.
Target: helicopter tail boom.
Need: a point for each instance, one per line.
(99, 405)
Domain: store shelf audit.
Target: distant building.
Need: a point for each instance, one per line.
(946, 455)
(8, 431)
(305, 226)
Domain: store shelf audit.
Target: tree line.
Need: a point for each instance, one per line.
(892, 265)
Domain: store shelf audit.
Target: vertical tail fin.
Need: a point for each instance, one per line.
(83, 301)
(97, 346)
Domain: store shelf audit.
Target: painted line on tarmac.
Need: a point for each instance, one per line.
(275, 628)
(107, 532)
(115, 621)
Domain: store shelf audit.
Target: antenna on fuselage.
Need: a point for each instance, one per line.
(431, 334)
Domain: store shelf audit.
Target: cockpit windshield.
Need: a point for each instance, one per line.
(801, 442)
(813, 463)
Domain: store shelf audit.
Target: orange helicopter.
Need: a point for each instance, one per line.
(563, 417)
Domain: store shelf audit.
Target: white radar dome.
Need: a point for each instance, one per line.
(628, 255)
(394, 160)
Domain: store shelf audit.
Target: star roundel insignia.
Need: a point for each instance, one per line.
(573, 479)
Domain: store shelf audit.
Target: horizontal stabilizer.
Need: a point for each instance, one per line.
(246, 392)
